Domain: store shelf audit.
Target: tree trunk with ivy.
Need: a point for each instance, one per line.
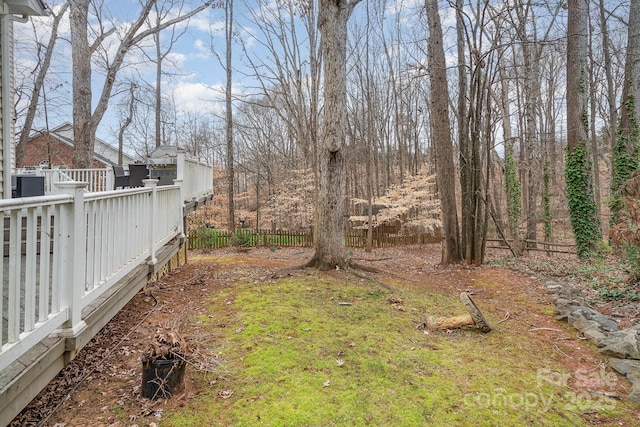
(578, 175)
(625, 151)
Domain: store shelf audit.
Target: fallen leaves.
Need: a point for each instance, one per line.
(396, 302)
(225, 394)
(167, 343)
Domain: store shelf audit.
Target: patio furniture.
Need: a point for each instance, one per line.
(137, 173)
(121, 178)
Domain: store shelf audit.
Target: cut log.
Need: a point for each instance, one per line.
(474, 318)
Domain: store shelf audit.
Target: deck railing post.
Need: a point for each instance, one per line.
(73, 255)
(153, 213)
(180, 164)
(181, 227)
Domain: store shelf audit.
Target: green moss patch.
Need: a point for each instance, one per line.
(333, 350)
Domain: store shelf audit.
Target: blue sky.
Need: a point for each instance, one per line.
(195, 76)
(197, 79)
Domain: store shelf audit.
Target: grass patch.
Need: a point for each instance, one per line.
(325, 350)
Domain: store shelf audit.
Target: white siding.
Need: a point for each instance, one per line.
(1, 112)
(12, 113)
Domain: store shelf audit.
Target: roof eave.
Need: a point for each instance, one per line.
(28, 7)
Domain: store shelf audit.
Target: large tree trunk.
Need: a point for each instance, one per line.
(83, 127)
(593, 137)
(511, 182)
(442, 137)
(464, 141)
(531, 76)
(582, 209)
(330, 249)
(229, 118)
(626, 156)
(158, 92)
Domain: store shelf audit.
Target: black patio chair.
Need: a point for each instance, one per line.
(121, 178)
(137, 172)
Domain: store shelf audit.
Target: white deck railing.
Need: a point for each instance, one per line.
(63, 251)
(196, 176)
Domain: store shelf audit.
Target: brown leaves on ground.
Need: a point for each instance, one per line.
(107, 372)
(396, 302)
(167, 343)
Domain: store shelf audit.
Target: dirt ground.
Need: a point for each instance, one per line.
(101, 387)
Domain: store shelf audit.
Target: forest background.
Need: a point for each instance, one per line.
(259, 120)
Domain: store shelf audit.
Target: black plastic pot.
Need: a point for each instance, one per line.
(162, 378)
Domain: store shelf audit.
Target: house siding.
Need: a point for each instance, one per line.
(11, 112)
(101, 148)
(37, 150)
(1, 112)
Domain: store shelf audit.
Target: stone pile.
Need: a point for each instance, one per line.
(621, 346)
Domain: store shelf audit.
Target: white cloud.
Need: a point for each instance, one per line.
(196, 97)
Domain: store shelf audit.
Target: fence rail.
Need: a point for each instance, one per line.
(205, 238)
(534, 246)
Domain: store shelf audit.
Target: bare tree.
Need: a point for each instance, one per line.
(229, 114)
(288, 77)
(161, 13)
(442, 137)
(43, 69)
(86, 119)
(329, 232)
(127, 118)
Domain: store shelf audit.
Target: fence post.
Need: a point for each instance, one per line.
(73, 255)
(153, 212)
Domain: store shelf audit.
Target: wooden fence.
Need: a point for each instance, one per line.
(204, 238)
(535, 246)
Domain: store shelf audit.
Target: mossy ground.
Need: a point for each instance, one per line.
(278, 347)
(331, 349)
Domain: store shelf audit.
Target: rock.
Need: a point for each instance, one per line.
(623, 344)
(622, 365)
(633, 375)
(583, 324)
(587, 312)
(563, 302)
(595, 336)
(553, 286)
(607, 323)
(590, 315)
